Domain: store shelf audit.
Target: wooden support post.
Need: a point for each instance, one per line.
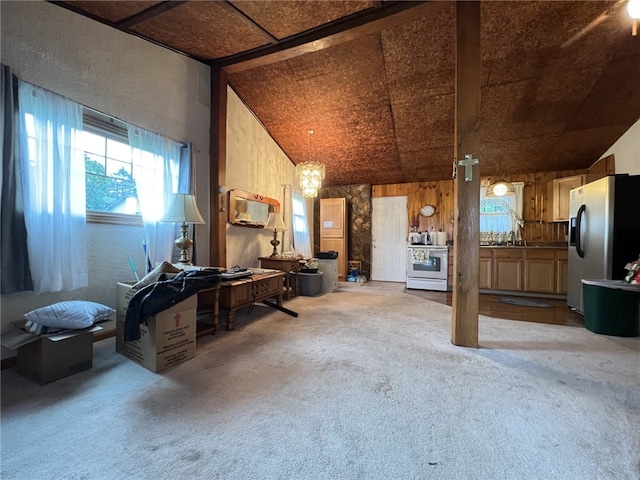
(218, 169)
(466, 245)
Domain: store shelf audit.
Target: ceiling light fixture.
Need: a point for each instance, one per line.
(633, 7)
(500, 189)
(311, 174)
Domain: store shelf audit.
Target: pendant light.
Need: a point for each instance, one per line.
(501, 187)
(633, 8)
(311, 174)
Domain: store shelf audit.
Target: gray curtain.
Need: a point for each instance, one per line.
(16, 276)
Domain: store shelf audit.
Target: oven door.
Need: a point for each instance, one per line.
(426, 263)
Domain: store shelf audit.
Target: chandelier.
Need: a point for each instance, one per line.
(311, 175)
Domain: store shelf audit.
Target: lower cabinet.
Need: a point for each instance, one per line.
(521, 269)
(507, 269)
(485, 270)
(562, 271)
(540, 271)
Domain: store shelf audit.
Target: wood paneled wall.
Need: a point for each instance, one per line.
(440, 195)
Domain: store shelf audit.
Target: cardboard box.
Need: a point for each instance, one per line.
(45, 358)
(166, 340)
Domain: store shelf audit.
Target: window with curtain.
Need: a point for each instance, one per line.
(69, 166)
(300, 228)
(501, 215)
(156, 171)
(53, 184)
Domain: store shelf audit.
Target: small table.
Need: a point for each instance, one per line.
(233, 294)
(286, 265)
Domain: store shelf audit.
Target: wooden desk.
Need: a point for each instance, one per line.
(234, 294)
(286, 265)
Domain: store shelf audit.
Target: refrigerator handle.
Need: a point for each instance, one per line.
(579, 230)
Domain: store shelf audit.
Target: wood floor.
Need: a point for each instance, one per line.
(492, 306)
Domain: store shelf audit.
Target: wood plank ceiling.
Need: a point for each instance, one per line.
(375, 80)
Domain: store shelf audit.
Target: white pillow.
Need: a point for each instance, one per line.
(73, 314)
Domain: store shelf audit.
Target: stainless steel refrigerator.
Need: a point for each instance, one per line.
(604, 232)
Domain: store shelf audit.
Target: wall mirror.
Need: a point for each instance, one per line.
(250, 209)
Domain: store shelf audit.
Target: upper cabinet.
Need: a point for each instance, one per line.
(558, 197)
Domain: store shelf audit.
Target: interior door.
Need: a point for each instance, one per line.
(389, 227)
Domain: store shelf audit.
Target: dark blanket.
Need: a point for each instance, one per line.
(159, 296)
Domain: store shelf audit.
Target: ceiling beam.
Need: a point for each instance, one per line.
(171, 4)
(150, 12)
(345, 29)
(243, 17)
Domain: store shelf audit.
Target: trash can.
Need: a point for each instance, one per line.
(611, 307)
(309, 284)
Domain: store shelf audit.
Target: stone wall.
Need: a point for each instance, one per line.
(359, 217)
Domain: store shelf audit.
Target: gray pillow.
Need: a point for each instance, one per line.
(73, 314)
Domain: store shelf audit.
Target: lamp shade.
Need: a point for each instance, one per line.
(183, 210)
(275, 223)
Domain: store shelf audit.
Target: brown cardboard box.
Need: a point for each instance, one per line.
(45, 358)
(166, 340)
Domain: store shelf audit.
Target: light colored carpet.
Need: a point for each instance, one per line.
(364, 384)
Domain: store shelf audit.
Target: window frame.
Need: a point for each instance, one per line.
(111, 128)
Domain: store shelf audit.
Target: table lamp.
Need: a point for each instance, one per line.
(185, 210)
(276, 224)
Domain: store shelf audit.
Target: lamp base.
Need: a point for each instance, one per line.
(275, 242)
(184, 243)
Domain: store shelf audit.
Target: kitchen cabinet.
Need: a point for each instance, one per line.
(540, 271)
(562, 271)
(333, 231)
(557, 208)
(484, 269)
(507, 269)
(522, 269)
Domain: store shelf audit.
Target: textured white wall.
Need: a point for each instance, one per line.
(122, 76)
(627, 151)
(255, 163)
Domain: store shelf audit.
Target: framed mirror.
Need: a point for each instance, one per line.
(250, 209)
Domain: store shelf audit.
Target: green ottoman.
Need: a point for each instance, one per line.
(611, 307)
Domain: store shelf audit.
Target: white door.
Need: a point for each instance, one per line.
(389, 227)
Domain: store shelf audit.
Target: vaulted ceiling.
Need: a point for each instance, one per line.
(375, 80)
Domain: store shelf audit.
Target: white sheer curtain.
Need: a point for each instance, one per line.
(53, 178)
(300, 224)
(156, 165)
(501, 214)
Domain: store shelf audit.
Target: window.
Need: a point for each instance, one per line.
(111, 191)
(500, 215)
(496, 214)
(299, 221)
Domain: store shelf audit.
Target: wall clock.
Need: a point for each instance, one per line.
(427, 210)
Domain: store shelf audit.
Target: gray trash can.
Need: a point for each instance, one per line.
(309, 284)
(611, 307)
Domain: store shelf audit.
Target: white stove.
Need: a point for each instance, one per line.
(427, 267)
